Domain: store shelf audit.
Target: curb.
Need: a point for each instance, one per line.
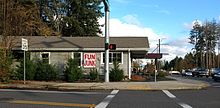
(89, 88)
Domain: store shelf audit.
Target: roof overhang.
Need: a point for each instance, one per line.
(84, 49)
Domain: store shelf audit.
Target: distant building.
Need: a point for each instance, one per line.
(89, 51)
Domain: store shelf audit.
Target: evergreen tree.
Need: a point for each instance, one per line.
(81, 18)
(197, 39)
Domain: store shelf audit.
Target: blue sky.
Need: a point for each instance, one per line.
(171, 19)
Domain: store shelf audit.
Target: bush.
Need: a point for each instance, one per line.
(46, 72)
(5, 64)
(93, 75)
(30, 69)
(162, 74)
(36, 71)
(73, 72)
(116, 74)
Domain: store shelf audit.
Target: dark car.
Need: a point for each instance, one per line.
(214, 71)
(216, 76)
(199, 72)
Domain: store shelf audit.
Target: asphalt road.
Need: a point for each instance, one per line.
(206, 98)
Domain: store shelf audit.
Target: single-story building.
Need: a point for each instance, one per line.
(89, 51)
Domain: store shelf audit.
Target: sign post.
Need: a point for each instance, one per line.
(24, 47)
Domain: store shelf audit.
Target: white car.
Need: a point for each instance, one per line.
(174, 72)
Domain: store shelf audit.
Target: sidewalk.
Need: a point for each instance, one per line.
(160, 85)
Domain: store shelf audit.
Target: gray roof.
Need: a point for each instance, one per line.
(82, 43)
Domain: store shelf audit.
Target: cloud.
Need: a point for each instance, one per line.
(131, 19)
(119, 28)
(190, 25)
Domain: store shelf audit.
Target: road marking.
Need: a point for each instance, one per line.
(174, 97)
(41, 91)
(169, 94)
(107, 99)
(184, 105)
(52, 103)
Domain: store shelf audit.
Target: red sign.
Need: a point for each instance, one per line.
(154, 56)
(89, 60)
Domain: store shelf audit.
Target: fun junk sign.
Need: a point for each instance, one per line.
(89, 60)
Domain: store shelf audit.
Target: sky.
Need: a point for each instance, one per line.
(168, 20)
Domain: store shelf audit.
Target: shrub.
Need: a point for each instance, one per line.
(162, 74)
(46, 72)
(73, 72)
(116, 74)
(30, 69)
(5, 64)
(36, 71)
(93, 75)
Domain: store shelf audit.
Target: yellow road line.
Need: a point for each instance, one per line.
(53, 103)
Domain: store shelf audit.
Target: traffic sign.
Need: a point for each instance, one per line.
(24, 44)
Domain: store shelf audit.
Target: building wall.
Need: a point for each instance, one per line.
(60, 59)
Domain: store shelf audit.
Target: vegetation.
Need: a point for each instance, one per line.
(44, 18)
(5, 64)
(73, 72)
(50, 17)
(93, 75)
(205, 38)
(116, 74)
(36, 70)
(46, 72)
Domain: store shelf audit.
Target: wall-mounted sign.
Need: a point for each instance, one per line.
(89, 60)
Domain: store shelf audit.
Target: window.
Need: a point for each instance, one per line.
(113, 56)
(45, 57)
(77, 56)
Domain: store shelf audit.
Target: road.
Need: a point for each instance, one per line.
(206, 98)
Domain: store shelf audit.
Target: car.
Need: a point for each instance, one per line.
(187, 73)
(174, 72)
(216, 76)
(214, 71)
(199, 72)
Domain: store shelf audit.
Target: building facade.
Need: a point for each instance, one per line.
(88, 50)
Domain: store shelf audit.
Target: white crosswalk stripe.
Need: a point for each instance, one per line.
(174, 97)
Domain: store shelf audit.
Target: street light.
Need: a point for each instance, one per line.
(106, 4)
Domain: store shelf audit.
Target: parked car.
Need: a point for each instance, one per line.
(199, 72)
(214, 71)
(187, 73)
(174, 72)
(216, 76)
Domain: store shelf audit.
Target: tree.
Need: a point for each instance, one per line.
(210, 34)
(22, 18)
(197, 39)
(189, 61)
(204, 38)
(81, 18)
(51, 12)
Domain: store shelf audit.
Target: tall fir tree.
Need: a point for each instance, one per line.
(81, 18)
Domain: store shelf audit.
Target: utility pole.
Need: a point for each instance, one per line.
(156, 64)
(107, 11)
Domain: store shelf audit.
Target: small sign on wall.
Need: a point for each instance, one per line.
(89, 60)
